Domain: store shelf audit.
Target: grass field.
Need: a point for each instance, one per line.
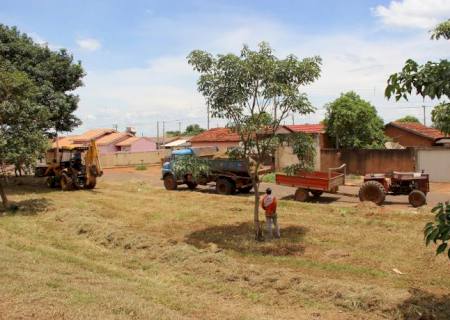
(131, 251)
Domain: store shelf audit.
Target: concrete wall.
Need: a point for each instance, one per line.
(132, 158)
(223, 146)
(406, 138)
(369, 160)
(285, 157)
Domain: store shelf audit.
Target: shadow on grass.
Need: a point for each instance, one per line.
(241, 238)
(26, 207)
(425, 306)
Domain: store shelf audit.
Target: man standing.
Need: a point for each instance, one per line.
(269, 204)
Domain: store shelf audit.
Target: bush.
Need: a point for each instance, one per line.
(270, 177)
(141, 167)
(440, 229)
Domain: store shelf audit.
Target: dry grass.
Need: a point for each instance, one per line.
(130, 251)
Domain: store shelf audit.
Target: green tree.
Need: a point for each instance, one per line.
(35, 96)
(354, 123)
(428, 80)
(193, 130)
(245, 88)
(408, 119)
(173, 133)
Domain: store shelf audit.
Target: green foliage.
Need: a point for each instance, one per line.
(441, 117)
(408, 119)
(303, 147)
(141, 167)
(354, 123)
(193, 130)
(439, 230)
(190, 165)
(173, 133)
(268, 178)
(429, 80)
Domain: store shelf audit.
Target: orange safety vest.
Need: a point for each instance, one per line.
(269, 203)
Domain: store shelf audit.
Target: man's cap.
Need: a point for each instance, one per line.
(268, 190)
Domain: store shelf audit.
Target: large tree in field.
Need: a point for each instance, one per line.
(246, 88)
(354, 123)
(431, 80)
(35, 96)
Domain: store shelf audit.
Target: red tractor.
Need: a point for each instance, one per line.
(413, 184)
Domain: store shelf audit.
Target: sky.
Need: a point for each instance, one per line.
(134, 52)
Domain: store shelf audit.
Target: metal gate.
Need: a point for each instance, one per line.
(435, 162)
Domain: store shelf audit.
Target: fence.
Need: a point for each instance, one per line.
(369, 160)
(121, 159)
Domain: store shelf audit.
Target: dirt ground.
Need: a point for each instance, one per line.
(348, 195)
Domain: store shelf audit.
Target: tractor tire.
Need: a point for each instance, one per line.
(66, 183)
(316, 193)
(191, 185)
(170, 183)
(372, 191)
(91, 185)
(301, 195)
(51, 182)
(417, 198)
(225, 186)
(245, 190)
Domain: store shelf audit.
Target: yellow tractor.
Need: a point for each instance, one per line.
(73, 168)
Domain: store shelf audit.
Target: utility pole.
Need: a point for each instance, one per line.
(157, 135)
(293, 120)
(115, 126)
(164, 131)
(207, 112)
(424, 117)
(179, 126)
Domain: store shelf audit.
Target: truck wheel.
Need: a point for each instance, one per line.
(170, 183)
(417, 198)
(316, 193)
(372, 191)
(301, 195)
(191, 185)
(66, 183)
(225, 186)
(245, 189)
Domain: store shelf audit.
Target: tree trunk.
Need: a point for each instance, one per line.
(258, 230)
(3, 196)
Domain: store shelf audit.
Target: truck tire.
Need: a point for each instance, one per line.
(372, 191)
(191, 185)
(417, 198)
(245, 189)
(66, 182)
(170, 183)
(316, 193)
(301, 195)
(225, 186)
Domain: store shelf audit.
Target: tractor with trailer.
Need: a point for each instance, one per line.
(72, 168)
(229, 175)
(413, 184)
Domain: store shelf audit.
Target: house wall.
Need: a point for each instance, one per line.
(407, 139)
(132, 158)
(143, 145)
(284, 155)
(435, 162)
(108, 148)
(223, 146)
(363, 161)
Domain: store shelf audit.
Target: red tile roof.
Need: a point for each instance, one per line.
(419, 129)
(217, 135)
(307, 128)
(131, 140)
(112, 137)
(92, 134)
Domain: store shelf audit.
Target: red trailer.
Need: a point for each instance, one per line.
(315, 182)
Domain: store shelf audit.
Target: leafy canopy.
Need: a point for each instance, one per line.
(439, 230)
(248, 87)
(354, 123)
(431, 80)
(408, 119)
(193, 130)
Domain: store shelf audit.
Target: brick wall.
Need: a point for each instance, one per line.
(407, 139)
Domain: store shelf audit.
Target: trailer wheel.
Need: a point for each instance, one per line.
(225, 186)
(372, 191)
(301, 195)
(170, 183)
(66, 182)
(417, 198)
(316, 193)
(191, 185)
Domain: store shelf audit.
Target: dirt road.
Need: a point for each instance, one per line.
(440, 192)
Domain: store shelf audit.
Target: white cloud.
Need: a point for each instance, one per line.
(89, 44)
(423, 14)
(42, 42)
